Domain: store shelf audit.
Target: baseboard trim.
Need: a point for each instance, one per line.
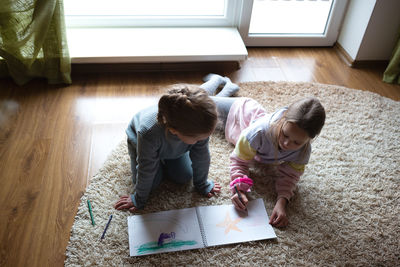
(349, 61)
(344, 56)
(370, 63)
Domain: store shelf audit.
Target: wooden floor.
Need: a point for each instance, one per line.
(58, 137)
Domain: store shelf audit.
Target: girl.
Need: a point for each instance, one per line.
(171, 140)
(283, 137)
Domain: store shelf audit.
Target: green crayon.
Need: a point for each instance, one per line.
(90, 211)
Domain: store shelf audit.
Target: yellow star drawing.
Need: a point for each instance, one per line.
(229, 224)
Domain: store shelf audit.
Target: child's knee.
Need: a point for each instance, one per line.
(182, 177)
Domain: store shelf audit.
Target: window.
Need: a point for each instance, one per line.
(289, 17)
(194, 30)
(291, 22)
(124, 31)
(150, 13)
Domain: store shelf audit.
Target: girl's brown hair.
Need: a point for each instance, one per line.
(307, 113)
(187, 109)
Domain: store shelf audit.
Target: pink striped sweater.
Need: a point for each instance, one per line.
(247, 127)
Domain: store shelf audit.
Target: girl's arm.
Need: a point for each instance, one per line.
(240, 159)
(289, 176)
(238, 167)
(290, 173)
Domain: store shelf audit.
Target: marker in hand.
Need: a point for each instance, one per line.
(240, 197)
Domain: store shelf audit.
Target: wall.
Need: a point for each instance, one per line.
(370, 29)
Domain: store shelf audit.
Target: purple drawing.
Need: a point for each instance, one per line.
(164, 236)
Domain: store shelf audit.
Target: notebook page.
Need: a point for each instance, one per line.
(223, 224)
(164, 231)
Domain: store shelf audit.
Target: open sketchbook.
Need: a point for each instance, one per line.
(197, 227)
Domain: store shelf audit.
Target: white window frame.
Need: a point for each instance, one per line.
(230, 19)
(328, 38)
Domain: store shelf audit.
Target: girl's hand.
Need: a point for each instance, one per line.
(240, 204)
(216, 189)
(278, 216)
(125, 202)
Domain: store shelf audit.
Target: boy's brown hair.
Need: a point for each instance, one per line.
(187, 109)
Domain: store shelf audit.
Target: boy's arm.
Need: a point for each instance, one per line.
(148, 162)
(200, 156)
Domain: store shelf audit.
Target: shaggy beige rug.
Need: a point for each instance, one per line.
(346, 210)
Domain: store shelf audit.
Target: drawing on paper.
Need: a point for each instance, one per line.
(165, 236)
(230, 224)
(165, 231)
(155, 245)
(197, 227)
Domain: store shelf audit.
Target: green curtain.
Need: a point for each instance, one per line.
(33, 41)
(392, 72)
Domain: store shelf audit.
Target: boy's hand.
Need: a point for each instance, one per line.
(216, 189)
(125, 202)
(278, 216)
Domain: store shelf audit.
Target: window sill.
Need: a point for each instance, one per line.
(155, 45)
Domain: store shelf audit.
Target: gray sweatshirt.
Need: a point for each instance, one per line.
(152, 144)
